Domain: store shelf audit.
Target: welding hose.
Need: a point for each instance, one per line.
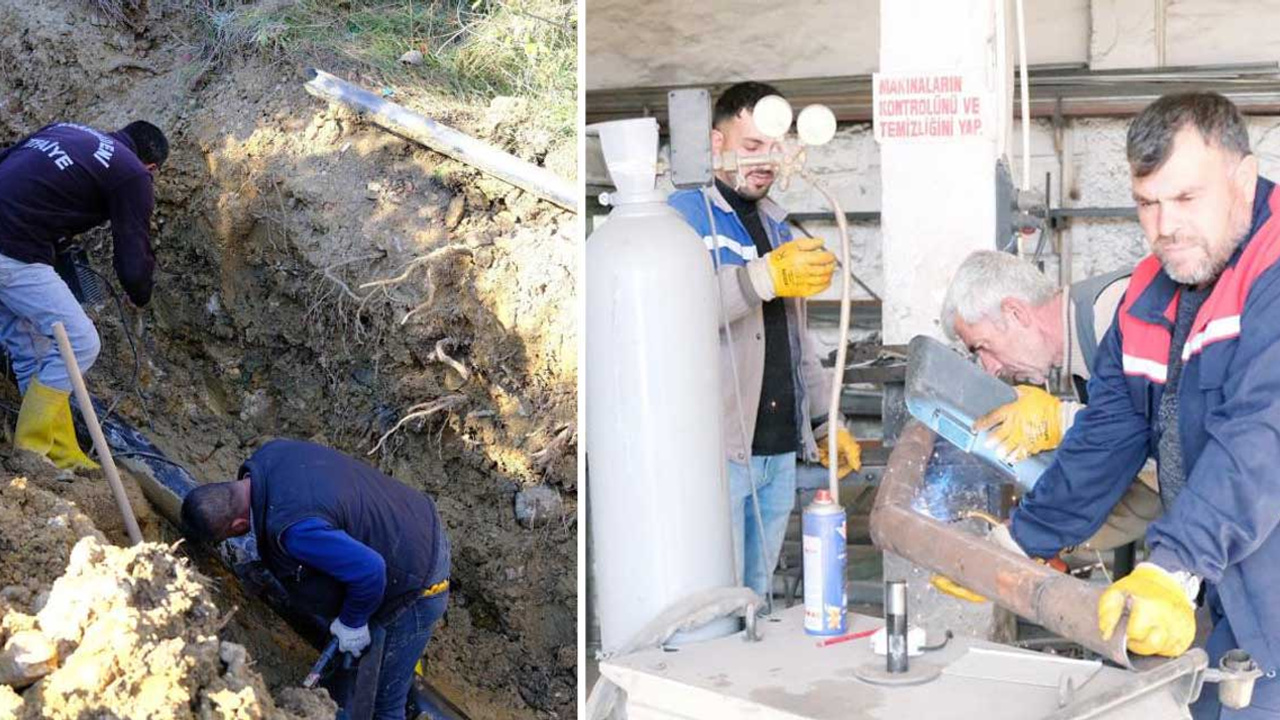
(842, 348)
(742, 423)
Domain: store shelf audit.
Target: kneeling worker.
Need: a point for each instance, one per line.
(347, 542)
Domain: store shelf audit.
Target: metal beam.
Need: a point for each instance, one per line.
(1055, 92)
(1054, 600)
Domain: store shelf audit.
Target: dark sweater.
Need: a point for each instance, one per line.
(777, 432)
(66, 179)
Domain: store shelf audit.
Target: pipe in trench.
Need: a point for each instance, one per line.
(165, 482)
(1053, 600)
(444, 139)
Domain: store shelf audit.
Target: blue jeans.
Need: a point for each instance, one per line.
(408, 633)
(32, 299)
(1266, 691)
(775, 479)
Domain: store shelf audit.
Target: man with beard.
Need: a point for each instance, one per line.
(775, 393)
(1189, 373)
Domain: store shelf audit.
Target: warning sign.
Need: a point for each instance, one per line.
(930, 107)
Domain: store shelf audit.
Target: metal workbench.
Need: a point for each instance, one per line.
(786, 675)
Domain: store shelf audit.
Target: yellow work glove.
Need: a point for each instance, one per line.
(848, 448)
(1028, 425)
(1162, 620)
(800, 268)
(954, 589)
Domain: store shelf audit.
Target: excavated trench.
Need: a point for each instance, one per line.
(454, 371)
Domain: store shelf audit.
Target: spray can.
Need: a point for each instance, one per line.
(823, 530)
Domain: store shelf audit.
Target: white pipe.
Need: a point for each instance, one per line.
(842, 349)
(95, 430)
(1002, 71)
(1025, 96)
(444, 139)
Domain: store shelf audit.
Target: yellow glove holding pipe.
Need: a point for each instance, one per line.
(1162, 620)
(800, 268)
(848, 448)
(1028, 425)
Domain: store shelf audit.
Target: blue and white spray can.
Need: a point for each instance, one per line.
(825, 555)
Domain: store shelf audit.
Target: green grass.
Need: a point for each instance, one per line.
(478, 49)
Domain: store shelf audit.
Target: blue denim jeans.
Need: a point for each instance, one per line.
(32, 299)
(775, 479)
(408, 633)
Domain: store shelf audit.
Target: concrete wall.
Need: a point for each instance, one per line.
(669, 42)
(632, 44)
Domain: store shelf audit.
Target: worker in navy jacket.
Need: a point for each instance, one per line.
(347, 542)
(1189, 373)
(60, 181)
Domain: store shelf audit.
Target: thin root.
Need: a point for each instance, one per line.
(443, 357)
(421, 410)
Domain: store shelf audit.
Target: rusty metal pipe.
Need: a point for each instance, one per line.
(1058, 602)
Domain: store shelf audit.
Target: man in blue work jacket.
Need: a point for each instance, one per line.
(56, 183)
(1189, 373)
(347, 542)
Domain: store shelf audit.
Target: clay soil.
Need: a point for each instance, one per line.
(135, 631)
(274, 215)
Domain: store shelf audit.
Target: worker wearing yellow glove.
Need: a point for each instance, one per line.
(1162, 617)
(45, 428)
(848, 448)
(800, 268)
(1031, 424)
(773, 385)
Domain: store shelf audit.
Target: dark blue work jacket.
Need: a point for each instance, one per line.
(1221, 527)
(291, 480)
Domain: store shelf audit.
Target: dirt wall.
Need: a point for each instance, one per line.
(273, 214)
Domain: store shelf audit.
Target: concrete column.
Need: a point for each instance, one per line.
(938, 196)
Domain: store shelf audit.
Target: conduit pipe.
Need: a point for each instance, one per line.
(444, 139)
(1024, 96)
(1036, 592)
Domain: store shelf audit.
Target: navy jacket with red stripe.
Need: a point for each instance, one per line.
(1222, 526)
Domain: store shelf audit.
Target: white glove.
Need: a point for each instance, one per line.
(350, 640)
(1001, 536)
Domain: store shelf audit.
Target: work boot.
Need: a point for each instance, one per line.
(45, 428)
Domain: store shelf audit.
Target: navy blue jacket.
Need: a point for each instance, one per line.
(66, 179)
(292, 481)
(1222, 526)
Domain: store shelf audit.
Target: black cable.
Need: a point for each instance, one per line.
(946, 639)
(148, 455)
(840, 263)
(133, 346)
